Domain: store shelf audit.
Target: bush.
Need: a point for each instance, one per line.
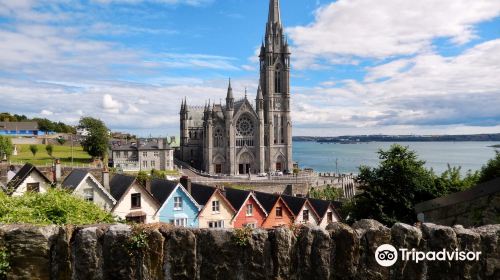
(54, 207)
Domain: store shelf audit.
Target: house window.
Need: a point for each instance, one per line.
(88, 195)
(250, 225)
(144, 154)
(135, 200)
(126, 154)
(153, 164)
(156, 154)
(329, 217)
(218, 168)
(216, 224)
(215, 206)
(180, 222)
(33, 187)
(305, 215)
(279, 212)
(249, 210)
(178, 203)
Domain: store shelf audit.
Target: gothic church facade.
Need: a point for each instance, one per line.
(240, 137)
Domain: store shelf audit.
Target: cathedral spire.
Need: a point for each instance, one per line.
(229, 91)
(274, 12)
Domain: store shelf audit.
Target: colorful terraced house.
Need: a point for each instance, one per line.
(279, 214)
(326, 212)
(250, 213)
(216, 211)
(178, 207)
(302, 209)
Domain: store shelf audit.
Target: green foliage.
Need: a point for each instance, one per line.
(328, 193)
(34, 149)
(54, 207)
(61, 152)
(96, 144)
(142, 177)
(390, 191)
(491, 170)
(4, 262)
(50, 149)
(241, 236)
(138, 241)
(158, 174)
(6, 117)
(6, 147)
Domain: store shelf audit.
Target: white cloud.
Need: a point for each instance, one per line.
(46, 113)
(111, 105)
(385, 28)
(167, 2)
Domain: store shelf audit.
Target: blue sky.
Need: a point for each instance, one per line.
(359, 66)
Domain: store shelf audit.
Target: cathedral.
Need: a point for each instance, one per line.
(240, 137)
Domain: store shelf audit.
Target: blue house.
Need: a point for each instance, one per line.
(177, 205)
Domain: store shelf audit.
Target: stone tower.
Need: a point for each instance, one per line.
(275, 85)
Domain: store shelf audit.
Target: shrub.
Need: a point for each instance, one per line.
(54, 207)
(242, 236)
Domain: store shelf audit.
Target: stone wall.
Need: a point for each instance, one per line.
(163, 252)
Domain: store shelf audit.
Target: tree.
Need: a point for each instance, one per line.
(34, 149)
(451, 181)
(6, 147)
(50, 149)
(390, 190)
(96, 143)
(142, 177)
(328, 193)
(491, 170)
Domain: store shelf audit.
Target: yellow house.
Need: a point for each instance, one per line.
(216, 210)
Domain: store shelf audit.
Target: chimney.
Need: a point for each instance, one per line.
(105, 179)
(186, 183)
(57, 170)
(160, 143)
(222, 190)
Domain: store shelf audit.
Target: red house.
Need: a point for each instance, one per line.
(250, 212)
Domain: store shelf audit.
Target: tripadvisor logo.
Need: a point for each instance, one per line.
(386, 255)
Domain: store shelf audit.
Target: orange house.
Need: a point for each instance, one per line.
(250, 212)
(279, 214)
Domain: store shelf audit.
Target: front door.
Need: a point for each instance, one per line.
(241, 168)
(278, 166)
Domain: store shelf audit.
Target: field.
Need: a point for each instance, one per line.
(63, 153)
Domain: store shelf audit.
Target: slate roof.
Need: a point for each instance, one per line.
(267, 200)
(161, 189)
(21, 175)
(74, 179)
(294, 203)
(119, 185)
(202, 193)
(321, 206)
(236, 197)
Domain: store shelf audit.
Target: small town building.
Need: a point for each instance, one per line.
(250, 213)
(216, 211)
(134, 202)
(26, 129)
(28, 179)
(178, 207)
(302, 209)
(83, 184)
(279, 214)
(143, 156)
(326, 212)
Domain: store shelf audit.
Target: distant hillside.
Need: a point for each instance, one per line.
(43, 124)
(400, 138)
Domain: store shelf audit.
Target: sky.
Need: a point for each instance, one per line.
(358, 66)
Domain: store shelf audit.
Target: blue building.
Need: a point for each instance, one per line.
(26, 129)
(178, 207)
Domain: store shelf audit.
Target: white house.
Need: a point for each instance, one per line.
(326, 212)
(83, 184)
(303, 210)
(133, 202)
(28, 179)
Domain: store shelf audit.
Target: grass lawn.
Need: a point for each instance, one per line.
(42, 158)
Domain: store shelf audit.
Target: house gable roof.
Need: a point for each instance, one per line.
(21, 175)
(178, 186)
(294, 203)
(321, 206)
(74, 179)
(161, 189)
(267, 200)
(236, 197)
(202, 193)
(250, 195)
(120, 184)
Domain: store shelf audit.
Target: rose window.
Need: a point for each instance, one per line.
(244, 126)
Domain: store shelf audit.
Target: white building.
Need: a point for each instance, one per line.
(145, 155)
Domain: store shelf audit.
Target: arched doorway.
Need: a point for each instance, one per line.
(245, 163)
(280, 163)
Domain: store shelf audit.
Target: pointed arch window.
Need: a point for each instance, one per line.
(218, 135)
(278, 79)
